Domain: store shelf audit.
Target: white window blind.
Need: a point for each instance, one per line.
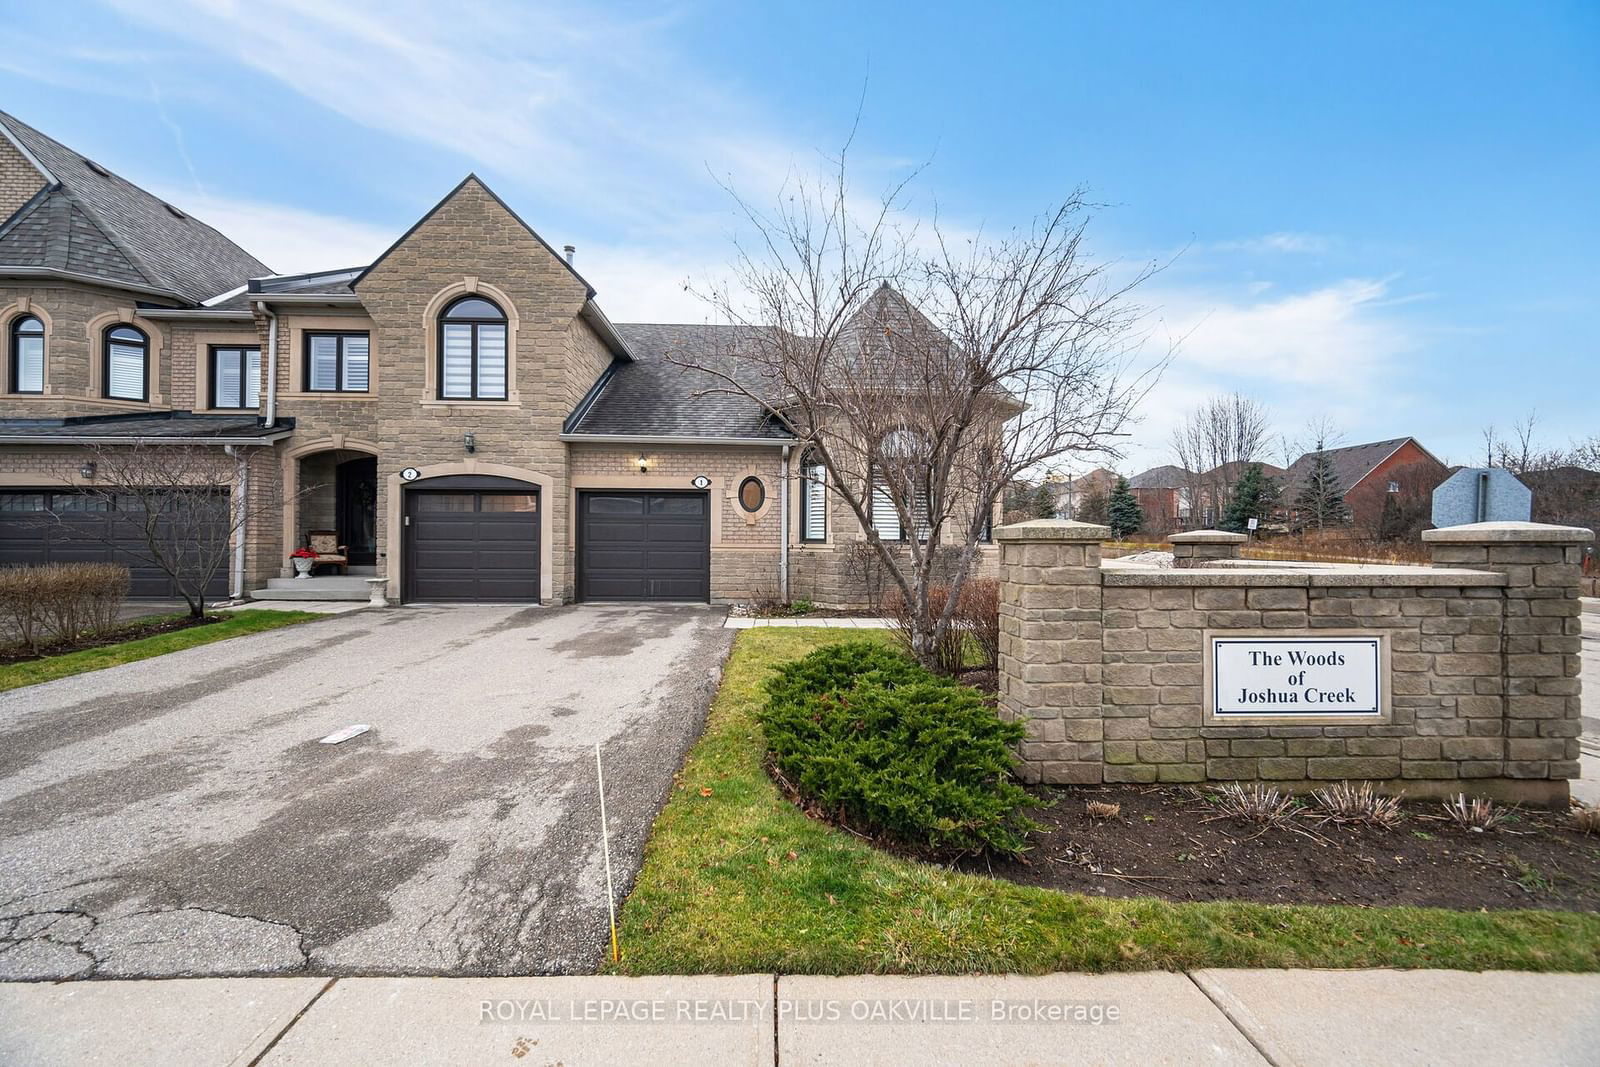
(30, 364)
(125, 371)
(814, 498)
(252, 378)
(457, 360)
(356, 354)
(324, 370)
(228, 378)
(492, 362)
(887, 521)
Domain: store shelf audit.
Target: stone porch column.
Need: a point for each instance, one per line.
(1196, 548)
(1541, 636)
(1050, 626)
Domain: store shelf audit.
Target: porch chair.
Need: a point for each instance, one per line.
(325, 543)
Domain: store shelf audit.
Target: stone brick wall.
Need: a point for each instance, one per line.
(1106, 666)
(19, 179)
(74, 318)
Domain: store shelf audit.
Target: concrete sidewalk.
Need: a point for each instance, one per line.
(1216, 1016)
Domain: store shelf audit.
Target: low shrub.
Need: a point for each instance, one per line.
(870, 738)
(974, 625)
(1476, 814)
(59, 602)
(1346, 803)
(1259, 804)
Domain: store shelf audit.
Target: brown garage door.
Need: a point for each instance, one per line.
(644, 546)
(472, 540)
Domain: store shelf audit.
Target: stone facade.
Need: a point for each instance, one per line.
(1106, 666)
(19, 179)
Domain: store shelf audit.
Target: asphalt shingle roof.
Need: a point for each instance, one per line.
(162, 425)
(1350, 464)
(653, 396)
(95, 223)
(1164, 477)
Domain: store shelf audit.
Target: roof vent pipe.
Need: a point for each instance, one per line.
(570, 250)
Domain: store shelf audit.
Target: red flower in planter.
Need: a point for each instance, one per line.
(302, 553)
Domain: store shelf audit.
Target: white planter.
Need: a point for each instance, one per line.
(378, 587)
(302, 566)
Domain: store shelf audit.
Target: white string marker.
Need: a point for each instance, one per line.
(605, 845)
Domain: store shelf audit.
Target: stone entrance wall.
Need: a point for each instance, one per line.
(1105, 664)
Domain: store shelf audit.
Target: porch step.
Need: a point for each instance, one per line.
(330, 581)
(307, 591)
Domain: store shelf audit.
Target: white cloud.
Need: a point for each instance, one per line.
(290, 240)
(1281, 242)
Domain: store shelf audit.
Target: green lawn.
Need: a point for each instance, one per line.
(237, 624)
(736, 879)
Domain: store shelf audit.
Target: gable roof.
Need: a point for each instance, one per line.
(1351, 464)
(1166, 476)
(451, 195)
(90, 222)
(652, 396)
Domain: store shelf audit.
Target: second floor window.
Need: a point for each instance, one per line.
(27, 355)
(472, 351)
(337, 362)
(235, 377)
(127, 364)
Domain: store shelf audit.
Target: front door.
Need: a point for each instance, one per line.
(356, 487)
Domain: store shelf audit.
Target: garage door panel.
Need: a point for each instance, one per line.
(85, 529)
(644, 546)
(468, 545)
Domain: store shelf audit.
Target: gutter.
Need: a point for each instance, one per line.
(227, 314)
(340, 299)
(243, 466)
(664, 439)
(17, 271)
(783, 526)
(270, 417)
(81, 439)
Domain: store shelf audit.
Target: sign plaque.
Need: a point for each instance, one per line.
(1296, 678)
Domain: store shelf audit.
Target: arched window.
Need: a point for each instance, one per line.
(27, 355)
(472, 350)
(127, 363)
(813, 498)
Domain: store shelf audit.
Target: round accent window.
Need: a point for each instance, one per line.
(752, 494)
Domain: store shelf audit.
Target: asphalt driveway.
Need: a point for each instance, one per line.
(177, 816)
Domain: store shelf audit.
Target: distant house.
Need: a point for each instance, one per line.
(1565, 496)
(1164, 497)
(1071, 492)
(1368, 476)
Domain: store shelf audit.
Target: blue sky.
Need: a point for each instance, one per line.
(1384, 213)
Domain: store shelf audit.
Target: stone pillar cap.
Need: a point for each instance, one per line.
(1208, 537)
(1052, 530)
(1492, 533)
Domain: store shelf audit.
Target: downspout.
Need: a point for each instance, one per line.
(236, 586)
(783, 522)
(271, 418)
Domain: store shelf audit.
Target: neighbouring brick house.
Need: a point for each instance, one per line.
(1399, 475)
(460, 412)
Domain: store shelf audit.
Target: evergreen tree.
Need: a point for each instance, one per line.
(1093, 507)
(1123, 513)
(1043, 504)
(1252, 498)
(1320, 503)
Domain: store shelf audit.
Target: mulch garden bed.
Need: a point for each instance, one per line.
(1168, 842)
(130, 631)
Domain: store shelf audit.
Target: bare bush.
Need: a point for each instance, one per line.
(1102, 809)
(1258, 804)
(1478, 814)
(1586, 820)
(1346, 803)
(60, 602)
(974, 625)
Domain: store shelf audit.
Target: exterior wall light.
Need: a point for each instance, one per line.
(644, 464)
(87, 470)
(471, 442)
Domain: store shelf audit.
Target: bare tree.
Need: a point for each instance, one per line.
(1318, 498)
(926, 373)
(176, 507)
(1213, 443)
